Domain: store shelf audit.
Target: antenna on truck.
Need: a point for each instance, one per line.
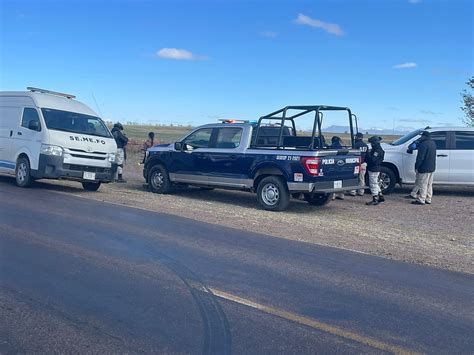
(44, 91)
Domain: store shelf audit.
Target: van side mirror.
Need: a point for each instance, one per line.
(178, 146)
(34, 125)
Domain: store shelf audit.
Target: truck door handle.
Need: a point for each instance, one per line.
(442, 155)
(19, 133)
(11, 133)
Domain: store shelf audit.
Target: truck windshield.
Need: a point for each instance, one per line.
(407, 137)
(74, 122)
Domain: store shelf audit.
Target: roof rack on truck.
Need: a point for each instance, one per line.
(44, 91)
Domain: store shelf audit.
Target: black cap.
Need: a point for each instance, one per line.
(375, 139)
(359, 135)
(118, 125)
(425, 134)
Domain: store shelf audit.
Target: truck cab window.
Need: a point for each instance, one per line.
(229, 137)
(30, 119)
(440, 139)
(200, 138)
(464, 140)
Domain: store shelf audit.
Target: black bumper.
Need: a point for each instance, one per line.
(328, 186)
(53, 167)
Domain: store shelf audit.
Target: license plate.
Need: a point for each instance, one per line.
(338, 184)
(88, 176)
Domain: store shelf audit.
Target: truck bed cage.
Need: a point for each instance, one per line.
(281, 115)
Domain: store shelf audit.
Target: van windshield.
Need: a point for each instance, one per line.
(74, 122)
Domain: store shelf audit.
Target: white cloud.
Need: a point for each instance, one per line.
(414, 1)
(405, 65)
(175, 53)
(331, 28)
(269, 34)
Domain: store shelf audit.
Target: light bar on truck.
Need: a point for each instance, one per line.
(231, 120)
(43, 91)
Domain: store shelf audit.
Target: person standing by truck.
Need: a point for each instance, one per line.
(150, 142)
(336, 143)
(425, 166)
(121, 139)
(359, 144)
(374, 159)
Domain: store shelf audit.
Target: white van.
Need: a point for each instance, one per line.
(49, 135)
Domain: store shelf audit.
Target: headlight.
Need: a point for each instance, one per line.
(111, 157)
(48, 149)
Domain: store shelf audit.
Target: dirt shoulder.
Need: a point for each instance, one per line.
(440, 235)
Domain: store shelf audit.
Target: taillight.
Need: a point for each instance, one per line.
(311, 165)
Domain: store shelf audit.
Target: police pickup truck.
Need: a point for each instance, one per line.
(269, 157)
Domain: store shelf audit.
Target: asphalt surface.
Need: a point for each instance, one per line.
(81, 276)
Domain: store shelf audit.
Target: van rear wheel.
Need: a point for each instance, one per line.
(90, 186)
(23, 172)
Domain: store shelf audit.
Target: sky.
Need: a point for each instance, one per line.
(395, 63)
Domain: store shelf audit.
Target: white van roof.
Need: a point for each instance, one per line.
(53, 101)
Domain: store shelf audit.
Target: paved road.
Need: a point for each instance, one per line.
(83, 276)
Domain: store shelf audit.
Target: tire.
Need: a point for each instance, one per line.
(90, 186)
(23, 172)
(159, 180)
(317, 199)
(273, 194)
(387, 180)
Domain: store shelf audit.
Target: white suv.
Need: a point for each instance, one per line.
(454, 158)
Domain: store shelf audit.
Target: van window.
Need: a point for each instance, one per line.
(464, 140)
(74, 122)
(440, 139)
(228, 138)
(30, 117)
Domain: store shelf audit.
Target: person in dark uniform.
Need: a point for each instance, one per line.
(359, 144)
(121, 139)
(425, 166)
(336, 143)
(374, 159)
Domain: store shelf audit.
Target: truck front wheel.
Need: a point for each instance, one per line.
(158, 180)
(273, 194)
(317, 199)
(387, 180)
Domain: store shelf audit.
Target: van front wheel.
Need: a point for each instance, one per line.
(23, 172)
(90, 186)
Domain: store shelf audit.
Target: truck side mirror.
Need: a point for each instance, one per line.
(178, 146)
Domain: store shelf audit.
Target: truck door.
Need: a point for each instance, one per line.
(443, 156)
(28, 136)
(189, 165)
(462, 158)
(227, 164)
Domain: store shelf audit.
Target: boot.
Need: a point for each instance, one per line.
(374, 202)
(121, 179)
(381, 198)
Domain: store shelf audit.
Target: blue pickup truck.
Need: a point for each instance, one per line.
(269, 156)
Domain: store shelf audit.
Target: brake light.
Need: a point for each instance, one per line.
(311, 165)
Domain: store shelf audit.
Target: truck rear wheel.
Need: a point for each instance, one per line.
(159, 181)
(23, 172)
(273, 194)
(317, 199)
(90, 186)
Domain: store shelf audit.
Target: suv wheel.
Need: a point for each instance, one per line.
(317, 199)
(387, 180)
(158, 180)
(273, 194)
(23, 172)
